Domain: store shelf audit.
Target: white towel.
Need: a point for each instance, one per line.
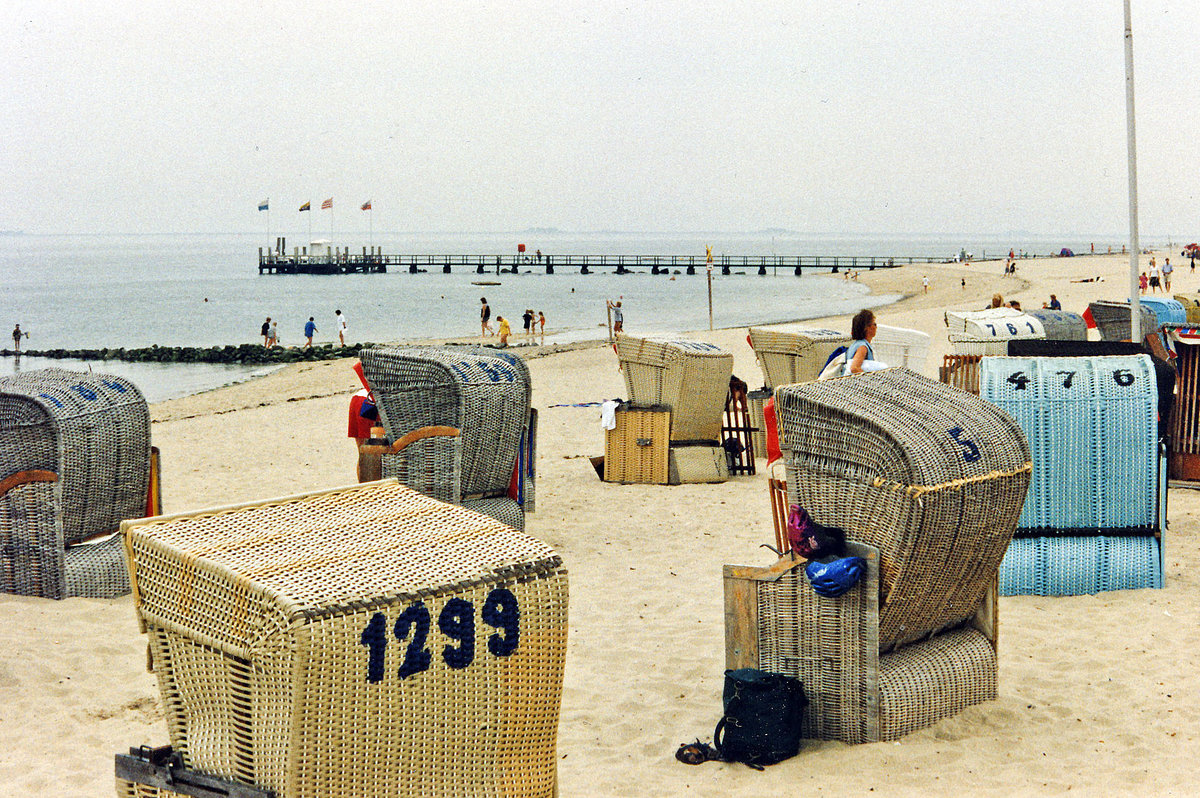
(608, 414)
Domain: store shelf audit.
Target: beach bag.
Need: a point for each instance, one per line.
(832, 579)
(762, 719)
(835, 366)
(811, 540)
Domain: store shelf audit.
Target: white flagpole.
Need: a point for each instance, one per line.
(1135, 305)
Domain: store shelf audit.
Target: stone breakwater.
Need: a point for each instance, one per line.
(242, 354)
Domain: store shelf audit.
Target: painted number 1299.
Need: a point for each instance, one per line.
(456, 622)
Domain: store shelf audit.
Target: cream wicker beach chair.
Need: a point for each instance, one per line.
(928, 483)
(900, 346)
(460, 423)
(691, 380)
(74, 462)
(365, 641)
(794, 353)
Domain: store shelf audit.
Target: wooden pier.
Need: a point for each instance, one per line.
(376, 263)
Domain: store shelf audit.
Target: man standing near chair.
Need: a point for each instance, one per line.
(1166, 274)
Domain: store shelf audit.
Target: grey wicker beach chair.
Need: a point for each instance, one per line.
(461, 424)
(928, 482)
(74, 463)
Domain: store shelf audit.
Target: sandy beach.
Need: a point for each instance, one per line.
(1094, 690)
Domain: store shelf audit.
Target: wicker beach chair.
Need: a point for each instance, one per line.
(793, 353)
(461, 425)
(74, 462)
(928, 483)
(899, 346)
(365, 641)
(1113, 319)
(1166, 310)
(1061, 325)
(1191, 307)
(1095, 515)
(690, 378)
(987, 332)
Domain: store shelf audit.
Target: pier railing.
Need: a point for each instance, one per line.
(484, 264)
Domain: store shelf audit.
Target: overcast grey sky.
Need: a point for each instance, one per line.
(875, 117)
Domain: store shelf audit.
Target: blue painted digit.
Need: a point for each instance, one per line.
(502, 612)
(1123, 377)
(457, 622)
(1012, 330)
(374, 637)
(970, 450)
(416, 658)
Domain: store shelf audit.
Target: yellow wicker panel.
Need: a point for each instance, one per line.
(635, 450)
(692, 464)
(364, 641)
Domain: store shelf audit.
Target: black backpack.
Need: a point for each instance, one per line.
(762, 720)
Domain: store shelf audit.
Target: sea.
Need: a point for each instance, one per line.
(94, 291)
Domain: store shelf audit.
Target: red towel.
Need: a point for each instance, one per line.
(773, 452)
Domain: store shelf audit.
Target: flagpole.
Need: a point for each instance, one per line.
(1135, 305)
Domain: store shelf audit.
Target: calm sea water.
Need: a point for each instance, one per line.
(77, 291)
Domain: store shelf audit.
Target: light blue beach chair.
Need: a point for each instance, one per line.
(1095, 514)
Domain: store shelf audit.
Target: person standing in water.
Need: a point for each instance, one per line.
(17, 335)
(485, 318)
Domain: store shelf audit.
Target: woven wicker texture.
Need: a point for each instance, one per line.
(687, 465)
(1061, 325)
(961, 371)
(635, 450)
(993, 323)
(793, 353)
(856, 694)
(963, 344)
(93, 432)
(756, 401)
(690, 378)
(899, 346)
(1112, 319)
(1075, 566)
(932, 476)
(484, 394)
(364, 641)
(1166, 310)
(1191, 307)
(1092, 432)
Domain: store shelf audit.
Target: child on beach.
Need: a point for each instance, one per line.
(1142, 283)
(541, 322)
(505, 330)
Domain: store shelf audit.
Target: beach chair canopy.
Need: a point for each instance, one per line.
(91, 433)
(790, 353)
(483, 396)
(689, 378)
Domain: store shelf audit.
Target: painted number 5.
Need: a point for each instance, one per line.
(970, 451)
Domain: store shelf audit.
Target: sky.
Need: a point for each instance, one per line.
(899, 117)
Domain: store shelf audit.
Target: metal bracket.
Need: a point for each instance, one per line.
(163, 768)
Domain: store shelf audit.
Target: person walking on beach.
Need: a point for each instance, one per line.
(1154, 281)
(310, 329)
(925, 282)
(341, 327)
(1142, 283)
(266, 333)
(1166, 275)
(485, 318)
(542, 323)
(527, 318)
(505, 330)
(17, 335)
(272, 336)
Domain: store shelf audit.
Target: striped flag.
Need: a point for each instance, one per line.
(366, 206)
(306, 206)
(327, 204)
(262, 206)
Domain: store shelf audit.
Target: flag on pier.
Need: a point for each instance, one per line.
(327, 204)
(366, 206)
(262, 206)
(306, 206)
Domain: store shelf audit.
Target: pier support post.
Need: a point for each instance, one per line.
(549, 267)
(798, 272)
(446, 269)
(584, 269)
(479, 269)
(725, 271)
(762, 269)
(691, 269)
